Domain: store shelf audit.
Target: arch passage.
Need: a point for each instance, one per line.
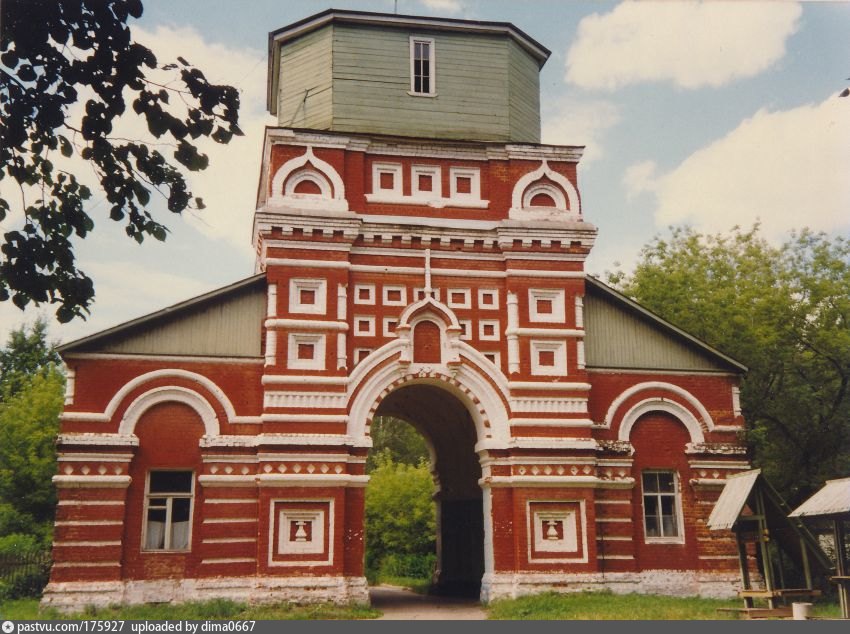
(448, 427)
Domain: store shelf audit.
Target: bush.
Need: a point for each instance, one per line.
(413, 566)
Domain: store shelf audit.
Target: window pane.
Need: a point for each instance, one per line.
(650, 505)
(426, 50)
(171, 482)
(180, 509)
(650, 482)
(665, 482)
(667, 505)
(426, 85)
(652, 527)
(669, 526)
(155, 529)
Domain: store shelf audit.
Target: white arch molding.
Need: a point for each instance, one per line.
(704, 420)
(650, 405)
(322, 172)
(169, 394)
(519, 207)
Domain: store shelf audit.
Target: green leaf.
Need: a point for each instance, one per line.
(65, 146)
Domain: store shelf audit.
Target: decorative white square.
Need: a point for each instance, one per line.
(465, 183)
(488, 299)
(390, 324)
(395, 296)
(306, 351)
(546, 305)
(494, 358)
(555, 531)
(308, 296)
(465, 329)
(548, 358)
(458, 298)
(386, 178)
(426, 182)
(364, 294)
(301, 532)
(364, 326)
(488, 329)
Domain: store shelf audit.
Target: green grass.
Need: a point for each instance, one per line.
(608, 606)
(23, 609)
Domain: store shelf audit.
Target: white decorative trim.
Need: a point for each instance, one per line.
(70, 382)
(389, 326)
(466, 302)
(92, 481)
(660, 405)
(89, 439)
(551, 422)
(359, 321)
(569, 541)
(341, 351)
(324, 171)
(548, 481)
(465, 329)
(162, 358)
(559, 357)
(579, 308)
(474, 176)
(580, 360)
(316, 362)
(169, 394)
(304, 418)
(370, 289)
(510, 333)
(493, 293)
(402, 290)
(538, 273)
(483, 336)
(319, 288)
(548, 405)
(93, 457)
(394, 169)
(307, 324)
(308, 264)
(271, 347)
(341, 302)
(549, 386)
(659, 385)
(546, 189)
(520, 211)
(548, 332)
(271, 301)
(736, 401)
(435, 195)
(552, 295)
(493, 357)
(303, 379)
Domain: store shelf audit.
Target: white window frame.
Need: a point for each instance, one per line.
(358, 351)
(320, 287)
(556, 296)
(399, 302)
(318, 360)
(559, 348)
(419, 294)
(496, 360)
(679, 537)
(467, 298)
(370, 319)
(387, 168)
(432, 67)
(491, 322)
(472, 173)
(434, 171)
(488, 291)
(169, 500)
(370, 301)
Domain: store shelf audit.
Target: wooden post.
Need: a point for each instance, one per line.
(841, 567)
(767, 563)
(807, 569)
(745, 569)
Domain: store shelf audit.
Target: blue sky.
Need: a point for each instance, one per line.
(709, 114)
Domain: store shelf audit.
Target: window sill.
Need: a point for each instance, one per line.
(421, 94)
(665, 540)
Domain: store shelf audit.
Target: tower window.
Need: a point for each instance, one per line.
(422, 66)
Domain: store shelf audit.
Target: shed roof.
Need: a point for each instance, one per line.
(732, 499)
(832, 499)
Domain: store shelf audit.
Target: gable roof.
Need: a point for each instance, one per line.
(224, 322)
(831, 500)
(654, 342)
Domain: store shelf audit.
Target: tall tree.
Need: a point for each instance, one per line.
(782, 311)
(54, 54)
(27, 353)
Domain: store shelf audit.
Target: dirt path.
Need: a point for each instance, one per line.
(399, 604)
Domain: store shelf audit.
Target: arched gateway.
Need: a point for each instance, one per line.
(419, 254)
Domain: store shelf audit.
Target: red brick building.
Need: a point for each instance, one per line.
(420, 255)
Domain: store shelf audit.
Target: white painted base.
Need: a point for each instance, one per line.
(74, 596)
(666, 582)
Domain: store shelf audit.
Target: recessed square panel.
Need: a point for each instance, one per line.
(556, 531)
(301, 532)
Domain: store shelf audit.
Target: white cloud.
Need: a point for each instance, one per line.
(580, 122)
(444, 6)
(692, 44)
(640, 178)
(787, 169)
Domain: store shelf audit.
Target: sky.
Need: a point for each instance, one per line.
(711, 114)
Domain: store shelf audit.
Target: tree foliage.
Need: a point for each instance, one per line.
(397, 440)
(53, 55)
(400, 515)
(782, 311)
(31, 398)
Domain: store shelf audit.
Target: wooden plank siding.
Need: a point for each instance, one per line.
(616, 337)
(229, 326)
(305, 99)
(357, 78)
